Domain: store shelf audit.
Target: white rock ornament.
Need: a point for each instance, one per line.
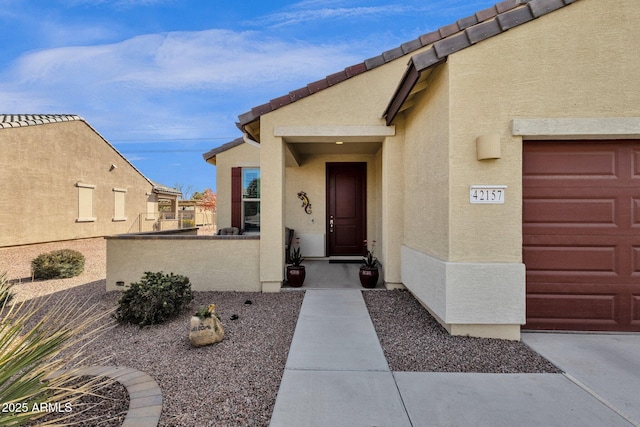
(205, 327)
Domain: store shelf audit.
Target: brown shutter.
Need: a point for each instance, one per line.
(236, 197)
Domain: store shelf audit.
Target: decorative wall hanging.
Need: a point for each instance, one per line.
(305, 202)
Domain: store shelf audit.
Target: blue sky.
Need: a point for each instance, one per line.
(164, 80)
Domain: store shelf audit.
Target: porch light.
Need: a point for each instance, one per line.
(339, 142)
(488, 146)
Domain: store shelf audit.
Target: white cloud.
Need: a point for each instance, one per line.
(183, 60)
(67, 33)
(307, 13)
(120, 3)
(187, 84)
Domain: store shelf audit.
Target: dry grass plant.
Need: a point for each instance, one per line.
(41, 348)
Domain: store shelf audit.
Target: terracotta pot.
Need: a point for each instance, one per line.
(296, 275)
(369, 277)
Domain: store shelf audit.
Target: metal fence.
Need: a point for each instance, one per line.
(163, 220)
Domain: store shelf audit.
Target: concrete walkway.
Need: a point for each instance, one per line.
(337, 375)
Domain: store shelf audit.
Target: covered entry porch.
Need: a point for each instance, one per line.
(300, 160)
(321, 273)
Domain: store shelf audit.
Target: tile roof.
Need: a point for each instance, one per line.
(224, 147)
(163, 189)
(444, 41)
(19, 120)
(488, 23)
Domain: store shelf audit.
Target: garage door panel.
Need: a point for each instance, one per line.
(571, 259)
(570, 211)
(581, 235)
(635, 157)
(635, 263)
(635, 308)
(548, 162)
(635, 212)
(571, 306)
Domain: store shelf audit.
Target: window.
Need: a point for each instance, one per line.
(245, 198)
(85, 202)
(251, 199)
(151, 207)
(118, 204)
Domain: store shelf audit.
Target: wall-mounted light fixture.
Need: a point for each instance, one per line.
(113, 167)
(488, 146)
(339, 142)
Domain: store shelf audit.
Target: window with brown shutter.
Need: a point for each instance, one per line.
(236, 197)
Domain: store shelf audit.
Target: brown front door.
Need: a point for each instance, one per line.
(581, 230)
(346, 208)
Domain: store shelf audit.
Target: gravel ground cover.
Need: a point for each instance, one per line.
(232, 383)
(16, 261)
(235, 382)
(414, 341)
(107, 408)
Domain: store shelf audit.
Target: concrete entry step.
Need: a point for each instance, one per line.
(345, 259)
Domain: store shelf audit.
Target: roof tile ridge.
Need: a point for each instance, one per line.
(24, 120)
(373, 62)
(489, 22)
(444, 41)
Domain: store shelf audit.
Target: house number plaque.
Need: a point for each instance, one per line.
(487, 194)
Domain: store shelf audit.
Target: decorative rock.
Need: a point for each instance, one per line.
(207, 330)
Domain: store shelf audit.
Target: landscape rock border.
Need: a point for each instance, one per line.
(145, 397)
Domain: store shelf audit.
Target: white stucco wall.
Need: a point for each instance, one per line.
(310, 177)
(573, 63)
(358, 101)
(212, 263)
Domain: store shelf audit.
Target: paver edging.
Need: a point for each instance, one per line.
(145, 396)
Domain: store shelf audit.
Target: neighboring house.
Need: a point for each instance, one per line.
(495, 161)
(193, 211)
(61, 180)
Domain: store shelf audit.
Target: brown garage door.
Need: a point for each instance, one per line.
(581, 230)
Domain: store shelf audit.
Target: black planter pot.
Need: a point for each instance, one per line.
(369, 277)
(296, 275)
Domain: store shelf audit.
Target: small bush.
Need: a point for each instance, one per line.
(58, 264)
(154, 299)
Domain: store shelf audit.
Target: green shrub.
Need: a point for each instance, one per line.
(58, 264)
(154, 299)
(188, 223)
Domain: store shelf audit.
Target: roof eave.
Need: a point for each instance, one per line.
(488, 23)
(417, 65)
(210, 155)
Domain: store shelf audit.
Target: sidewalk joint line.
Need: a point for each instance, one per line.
(600, 398)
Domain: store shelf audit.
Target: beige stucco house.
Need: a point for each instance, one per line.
(62, 180)
(494, 161)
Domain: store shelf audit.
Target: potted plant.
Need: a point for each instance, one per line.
(296, 272)
(369, 270)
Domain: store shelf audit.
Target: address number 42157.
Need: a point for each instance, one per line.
(487, 193)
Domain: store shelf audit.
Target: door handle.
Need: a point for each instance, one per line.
(331, 224)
